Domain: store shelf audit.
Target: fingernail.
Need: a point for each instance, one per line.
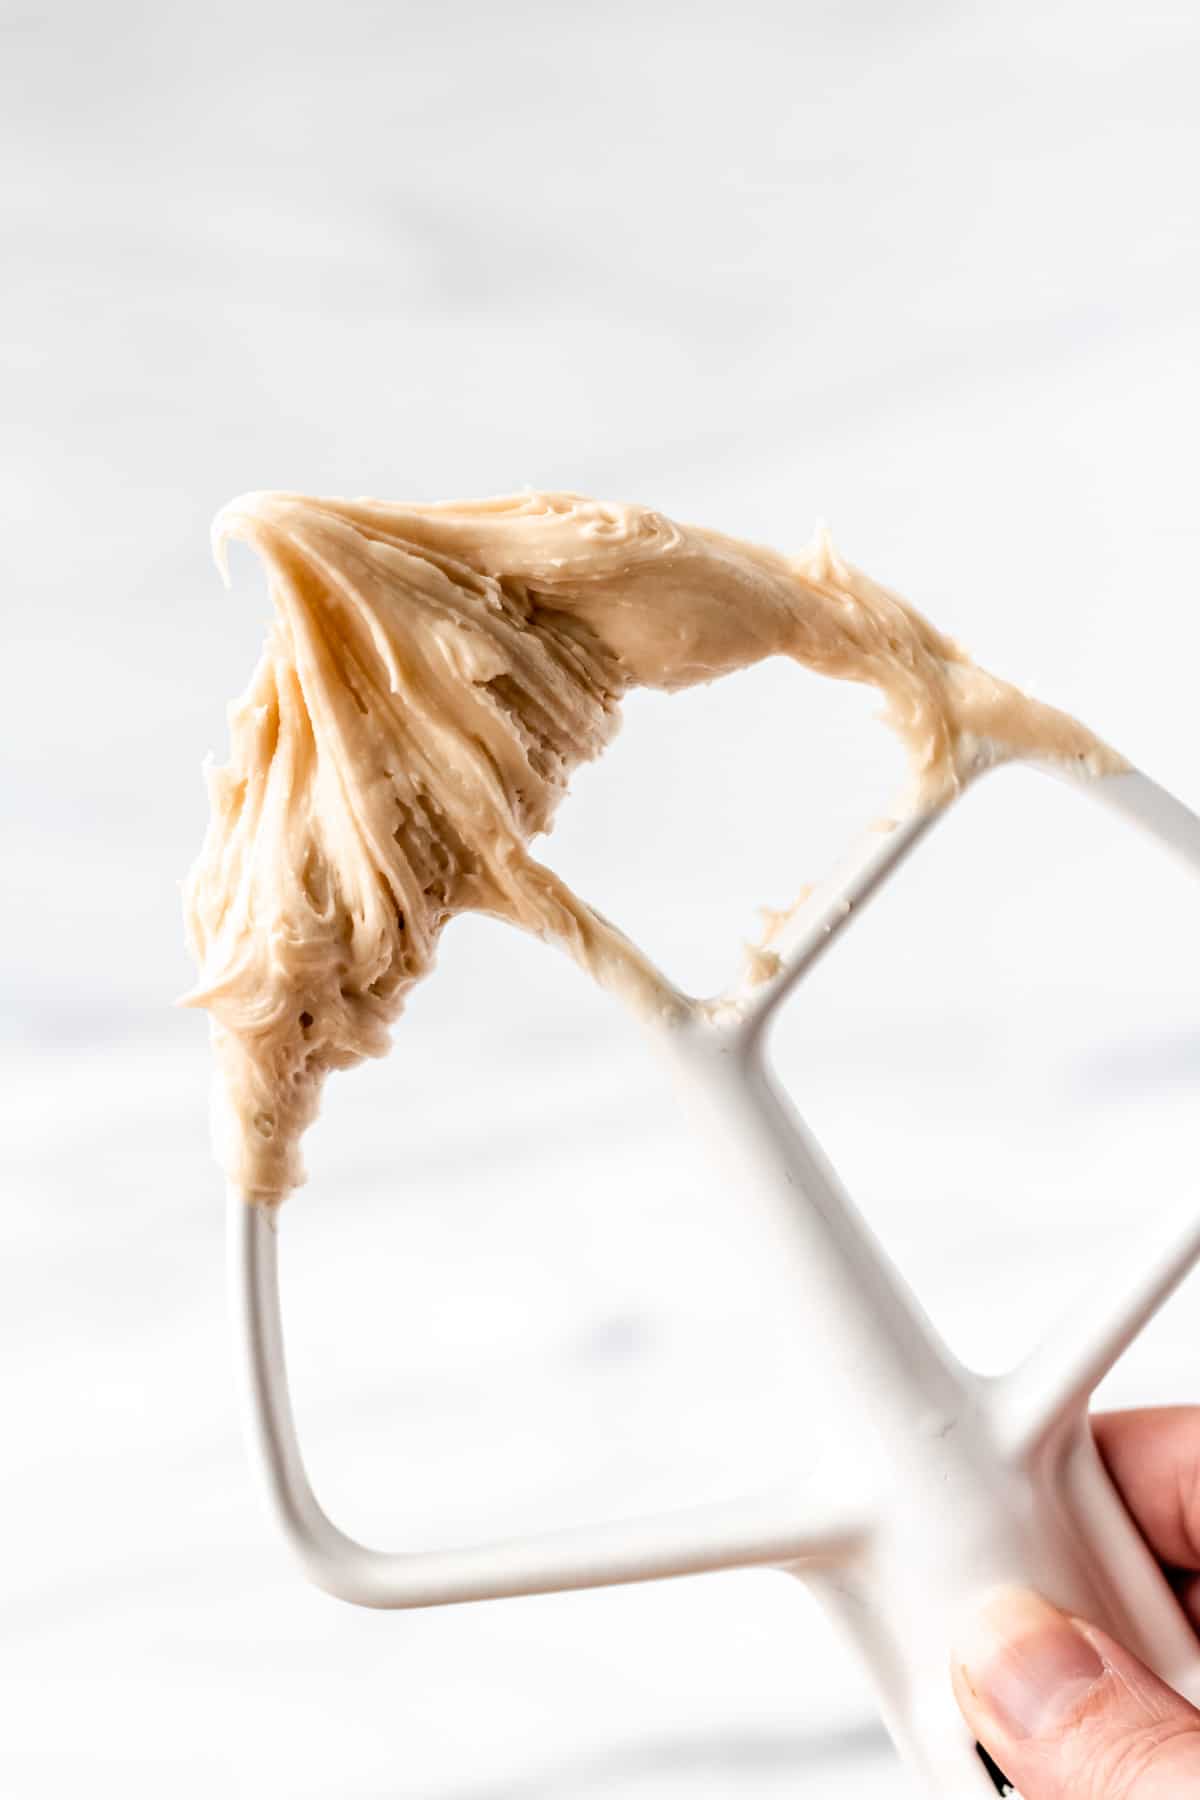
(1028, 1664)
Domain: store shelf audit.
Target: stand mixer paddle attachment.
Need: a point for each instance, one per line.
(439, 671)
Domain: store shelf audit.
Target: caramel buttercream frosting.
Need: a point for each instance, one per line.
(431, 678)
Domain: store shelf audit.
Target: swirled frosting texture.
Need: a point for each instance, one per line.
(431, 678)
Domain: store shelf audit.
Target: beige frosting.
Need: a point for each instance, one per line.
(431, 678)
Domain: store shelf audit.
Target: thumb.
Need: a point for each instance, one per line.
(1065, 1711)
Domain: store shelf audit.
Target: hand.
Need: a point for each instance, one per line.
(1062, 1708)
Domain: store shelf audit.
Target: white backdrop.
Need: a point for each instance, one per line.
(930, 272)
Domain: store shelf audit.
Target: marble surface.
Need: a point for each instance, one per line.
(929, 272)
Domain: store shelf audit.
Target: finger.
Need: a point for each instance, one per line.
(1066, 1712)
(1154, 1458)
(1187, 1592)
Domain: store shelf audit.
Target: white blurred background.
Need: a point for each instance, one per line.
(931, 272)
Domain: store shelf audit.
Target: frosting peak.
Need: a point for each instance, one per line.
(432, 677)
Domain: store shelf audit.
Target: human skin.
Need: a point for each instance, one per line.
(1061, 1707)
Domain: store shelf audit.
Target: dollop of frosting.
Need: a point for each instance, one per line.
(431, 678)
